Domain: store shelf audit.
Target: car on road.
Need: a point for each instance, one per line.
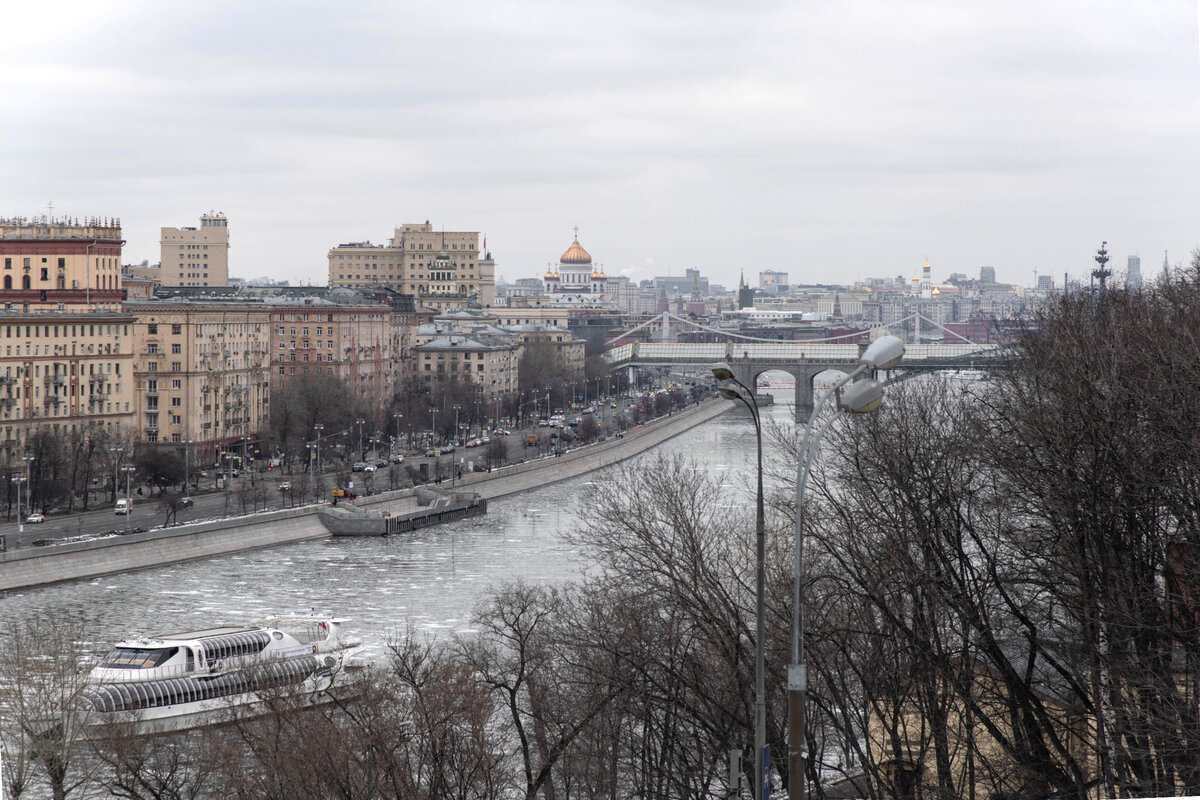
(33, 519)
(381, 462)
(369, 468)
(285, 486)
(124, 506)
(359, 466)
(186, 502)
(396, 459)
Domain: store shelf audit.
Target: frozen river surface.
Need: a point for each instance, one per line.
(427, 582)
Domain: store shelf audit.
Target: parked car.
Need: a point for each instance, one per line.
(35, 518)
(285, 486)
(359, 466)
(369, 468)
(381, 462)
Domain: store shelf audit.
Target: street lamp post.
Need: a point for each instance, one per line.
(862, 396)
(318, 428)
(187, 461)
(456, 439)
(116, 484)
(362, 453)
(128, 470)
(397, 417)
(18, 480)
(433, 426)
(741, 392)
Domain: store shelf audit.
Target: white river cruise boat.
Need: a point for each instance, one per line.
(186, 680)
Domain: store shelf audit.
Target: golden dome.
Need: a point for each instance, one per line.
(575, 254)
(598, 274)
(551, 275)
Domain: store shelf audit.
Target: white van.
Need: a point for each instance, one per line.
(124, 506)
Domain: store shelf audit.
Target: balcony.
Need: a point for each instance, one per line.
(57, 380)
(7, 402)
(52, 400)
(98, 377)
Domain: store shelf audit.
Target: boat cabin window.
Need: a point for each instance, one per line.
(191, 659)
(137, 658)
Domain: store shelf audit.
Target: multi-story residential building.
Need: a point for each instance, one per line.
(65, 345)
(196, 256)
(488, 362)
(360, 342)
(202, 372)
(441, 269)
(569, 349)
(64, 372)
(56, 263)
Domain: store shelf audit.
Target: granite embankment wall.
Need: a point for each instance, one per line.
(43, 565)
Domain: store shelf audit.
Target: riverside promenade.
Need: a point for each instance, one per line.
(31, 567)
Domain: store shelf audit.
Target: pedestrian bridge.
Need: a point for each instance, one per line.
(802, 360)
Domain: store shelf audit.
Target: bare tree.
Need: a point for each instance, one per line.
(42, 677)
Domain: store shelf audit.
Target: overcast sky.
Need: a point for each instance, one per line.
(834, 140)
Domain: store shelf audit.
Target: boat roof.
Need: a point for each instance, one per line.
(171, 637)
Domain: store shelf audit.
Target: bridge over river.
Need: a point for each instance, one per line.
(802, 360)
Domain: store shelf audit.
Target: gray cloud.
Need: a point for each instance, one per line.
(831, 140)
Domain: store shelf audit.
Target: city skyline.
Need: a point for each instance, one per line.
(834, 143)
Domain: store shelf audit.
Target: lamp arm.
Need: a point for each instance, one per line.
(803, 470)
(816, 412)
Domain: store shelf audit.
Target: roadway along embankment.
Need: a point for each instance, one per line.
(37, 566)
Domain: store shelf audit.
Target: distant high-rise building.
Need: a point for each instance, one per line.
(1045, 283)
(987, 274)
(1133, 273)
(196, 256)
(772, 282)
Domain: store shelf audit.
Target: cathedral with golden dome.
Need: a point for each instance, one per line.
(575, 274)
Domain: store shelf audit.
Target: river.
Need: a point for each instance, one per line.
(427, 582)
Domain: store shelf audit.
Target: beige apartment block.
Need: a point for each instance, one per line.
(569, 350)
(51, 263)
(361, 344)
(441, 269)
(196, 256)
(488, 362)
(201, 372)
(64, 373)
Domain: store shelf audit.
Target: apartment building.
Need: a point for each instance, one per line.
(196, 256)
(54, 264)
(65, 345)
(441, 269)
(361, 343)
(201, 372)
(489, 362)
(68, 373)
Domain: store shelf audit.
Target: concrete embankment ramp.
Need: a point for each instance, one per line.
(42, 565)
